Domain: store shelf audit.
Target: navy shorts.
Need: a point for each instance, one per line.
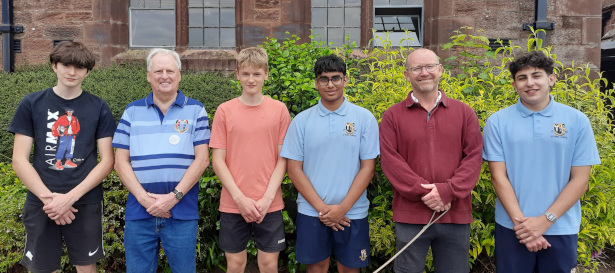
(512, 256)
(83, 238)
(315, 241)
(268, 235)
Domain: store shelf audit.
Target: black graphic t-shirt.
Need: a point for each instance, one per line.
(65, 134)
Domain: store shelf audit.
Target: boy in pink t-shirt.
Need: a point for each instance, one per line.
(246, 139)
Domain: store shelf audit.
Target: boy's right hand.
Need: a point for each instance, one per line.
(248, 209)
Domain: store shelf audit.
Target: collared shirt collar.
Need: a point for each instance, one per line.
(411, 99)
(547, 112)
(342, 110)
(180, 101)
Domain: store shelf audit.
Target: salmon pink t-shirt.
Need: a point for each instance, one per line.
(250, 135)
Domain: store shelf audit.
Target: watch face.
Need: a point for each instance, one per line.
(550, 217)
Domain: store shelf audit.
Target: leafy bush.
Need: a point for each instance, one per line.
(473, 75)
(480, 78)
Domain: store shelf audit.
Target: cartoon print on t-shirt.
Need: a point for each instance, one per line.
(65, 129)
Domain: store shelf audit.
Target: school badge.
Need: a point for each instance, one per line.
(363, 255)
(349, 128)
(559, 129)
(181, 125)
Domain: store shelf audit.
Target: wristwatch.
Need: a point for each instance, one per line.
(551, 217)
(178, 194)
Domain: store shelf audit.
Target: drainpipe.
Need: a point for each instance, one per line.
(7, 29)
(540, 20)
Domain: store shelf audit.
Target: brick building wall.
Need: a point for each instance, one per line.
(103, 25)
(100, 24)
(576, 36)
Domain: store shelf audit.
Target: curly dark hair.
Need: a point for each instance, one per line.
(535, 59)
(329, 63)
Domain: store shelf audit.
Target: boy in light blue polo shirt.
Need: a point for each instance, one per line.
(540, 154)
(332, 149)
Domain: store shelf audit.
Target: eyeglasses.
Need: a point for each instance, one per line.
(417, 69)
(335, 80)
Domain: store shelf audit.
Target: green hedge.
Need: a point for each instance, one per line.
(474, 75)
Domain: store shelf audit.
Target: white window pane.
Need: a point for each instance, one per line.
(227, 17)
(398, 2)
(151, 4)
(319, 3)
(211, 3)
(320, 34)
(352, 17)
(195, 17)
(227, 37)
(227, 3)
(415, 2)
(212, 37)
(381, 3)
(149, 28)
(336, 3)
(404, 19)
(195, 37)
(195, 3)
(137, 3)
(355, 35)
(319, 17)
(408, 27)
(389, 20)
(335, 17)
(336, 35)
(211, 17)
(353, 2)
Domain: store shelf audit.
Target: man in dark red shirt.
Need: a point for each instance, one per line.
(431, 149)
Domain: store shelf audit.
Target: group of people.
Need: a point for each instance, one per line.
(431, 149)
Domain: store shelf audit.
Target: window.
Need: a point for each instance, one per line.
(152, 23)
(333, 20)
(211, 23)
(403, 20)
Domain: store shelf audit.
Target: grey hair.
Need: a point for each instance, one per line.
(157, 51)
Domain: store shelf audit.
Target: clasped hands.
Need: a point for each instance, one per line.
(253, 211)
(529, 231)
(59, 207)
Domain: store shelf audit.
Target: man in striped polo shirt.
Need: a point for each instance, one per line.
(162, 150)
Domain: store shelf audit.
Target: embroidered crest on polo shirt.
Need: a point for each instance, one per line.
(559, 129)
(181, 125)
(349, 130)
(363, 255)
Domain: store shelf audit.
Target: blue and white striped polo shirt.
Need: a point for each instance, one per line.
(162, 148)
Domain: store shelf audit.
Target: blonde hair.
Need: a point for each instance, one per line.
(253, 56)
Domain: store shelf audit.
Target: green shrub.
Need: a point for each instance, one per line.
(480, 78)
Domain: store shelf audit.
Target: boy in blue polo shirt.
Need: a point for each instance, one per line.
(540, 154)
(332, 149)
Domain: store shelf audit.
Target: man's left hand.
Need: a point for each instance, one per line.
(432, 199)
(334, 216)
(531, 228)
(163, 204)
(263, 206)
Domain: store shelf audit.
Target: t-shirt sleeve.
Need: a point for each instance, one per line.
(202, 131)
(106, 123)
(22, 122)
(284, 122)
(492, 149)
(218, 129)
(370, 142)
(121, 138)
(585, 151)
(293, 142)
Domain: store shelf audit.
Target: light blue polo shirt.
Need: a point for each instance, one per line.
(539, 149)
(162, 148)
(331, 145)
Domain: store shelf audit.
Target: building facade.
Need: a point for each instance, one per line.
(207, 33)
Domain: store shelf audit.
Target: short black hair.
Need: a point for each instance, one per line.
(329, 63)
(73, 53)
(535, 59)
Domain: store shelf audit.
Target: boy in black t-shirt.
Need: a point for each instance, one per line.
(66, 125)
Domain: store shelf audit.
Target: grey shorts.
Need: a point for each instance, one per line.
(268, 235)
(450, 245)
(83, 238)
